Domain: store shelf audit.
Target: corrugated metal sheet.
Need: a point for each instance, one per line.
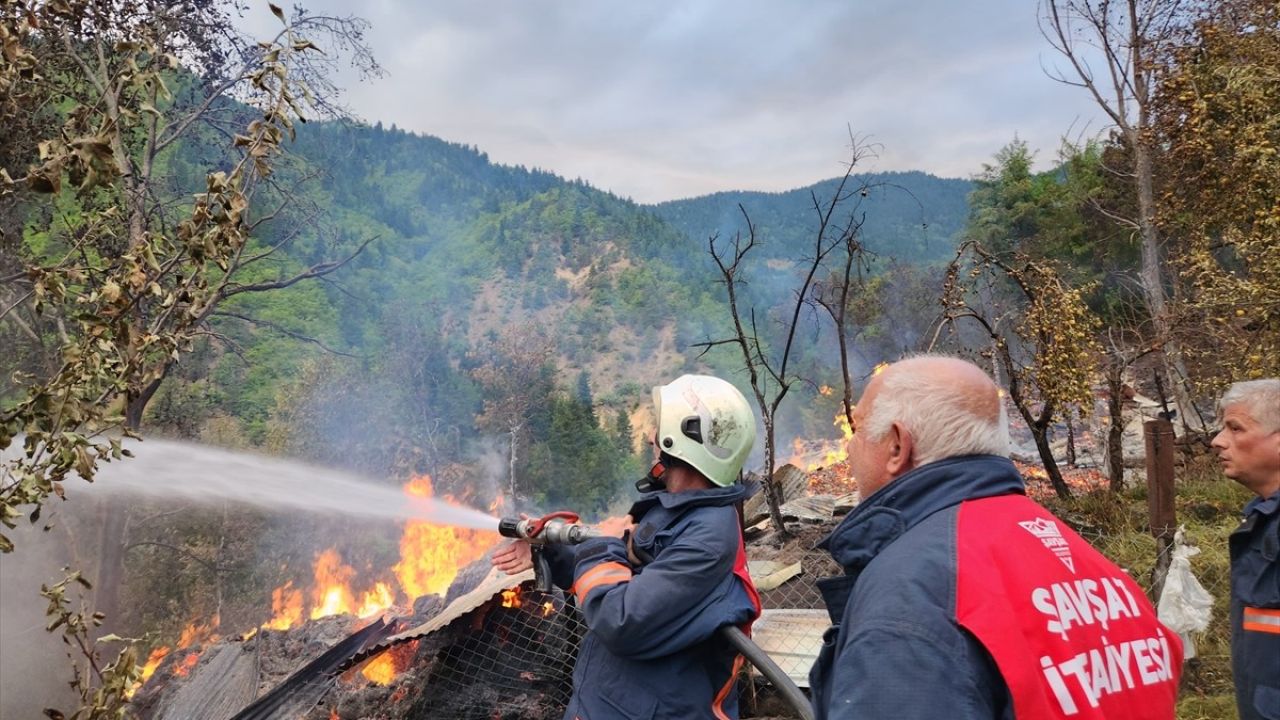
(295, 697)
(495, 582)
(813, 508)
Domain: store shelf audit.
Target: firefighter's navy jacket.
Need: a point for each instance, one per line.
(1255, 610)
(651, 650)
(963, 599)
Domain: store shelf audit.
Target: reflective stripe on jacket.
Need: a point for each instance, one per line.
(1255, 610)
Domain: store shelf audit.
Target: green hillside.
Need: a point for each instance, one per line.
(909, 215)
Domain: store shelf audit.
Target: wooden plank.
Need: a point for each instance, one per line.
(757, 530)
(769, 574)
(791, 483)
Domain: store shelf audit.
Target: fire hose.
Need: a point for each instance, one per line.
(564, 528)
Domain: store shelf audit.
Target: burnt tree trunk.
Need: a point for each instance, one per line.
(1039, 426)
(770, 485)
(1115, 430)
(1071, 442)
(1040, 432)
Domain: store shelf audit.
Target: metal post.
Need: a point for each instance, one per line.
(1162, 515)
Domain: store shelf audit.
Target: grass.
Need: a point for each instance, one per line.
(1208, 506)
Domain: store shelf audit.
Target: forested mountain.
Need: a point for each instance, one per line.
(908, 215)
(466, 254)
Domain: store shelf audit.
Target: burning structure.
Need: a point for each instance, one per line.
(490, 649)
(442, 636)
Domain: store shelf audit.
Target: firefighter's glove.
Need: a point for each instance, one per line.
(636, 556)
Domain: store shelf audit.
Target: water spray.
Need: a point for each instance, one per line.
(180, 471)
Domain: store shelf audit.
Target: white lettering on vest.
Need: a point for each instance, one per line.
(1099, 601)
(1108, 670)
(1059, 688)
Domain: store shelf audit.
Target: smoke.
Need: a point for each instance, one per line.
(34, 667)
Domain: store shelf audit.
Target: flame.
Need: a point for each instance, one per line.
(286, 604)
(381, 670)
(153, 662)
(333, 714)
(187, 663)
(879, 369)
(430, 555)
(825, 390)
(384, 668)
(332, 593)
(199, 633)
(548, 608)
(375, 601)
(1081, 480)
(195, 633)
(813, 455)
(511, 598)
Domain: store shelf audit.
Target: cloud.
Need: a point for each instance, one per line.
(664, 100)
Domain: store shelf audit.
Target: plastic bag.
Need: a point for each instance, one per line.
(1185, 606)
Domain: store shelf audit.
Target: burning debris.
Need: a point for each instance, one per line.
(496, 649)
(337, 646)
(1080, 480)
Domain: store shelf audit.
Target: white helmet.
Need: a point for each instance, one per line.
(705, 422)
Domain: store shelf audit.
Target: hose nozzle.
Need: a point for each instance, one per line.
(557, 528)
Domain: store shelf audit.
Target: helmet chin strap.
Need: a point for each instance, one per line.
(654, 479)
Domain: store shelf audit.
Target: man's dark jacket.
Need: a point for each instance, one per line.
(894, 609)
(651, 650)
(1255, 610)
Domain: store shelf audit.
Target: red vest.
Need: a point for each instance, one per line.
(1073, 635)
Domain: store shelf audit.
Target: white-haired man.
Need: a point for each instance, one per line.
(961, 597)
(1249, 448)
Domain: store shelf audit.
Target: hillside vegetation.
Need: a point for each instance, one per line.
(465, 250)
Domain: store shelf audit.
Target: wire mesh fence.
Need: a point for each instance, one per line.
(513, 659)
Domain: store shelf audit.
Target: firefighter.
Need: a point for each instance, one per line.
(654, 598)
(1249, 449)
(962, 598)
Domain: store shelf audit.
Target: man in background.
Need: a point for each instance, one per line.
(961, 597)
(653, 602)
(1249, 449)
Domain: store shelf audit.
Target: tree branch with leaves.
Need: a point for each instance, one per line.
(1041, 331)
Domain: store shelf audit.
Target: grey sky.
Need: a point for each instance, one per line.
(661, 100)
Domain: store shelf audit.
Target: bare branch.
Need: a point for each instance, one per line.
(315, 271)
(284, 331)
